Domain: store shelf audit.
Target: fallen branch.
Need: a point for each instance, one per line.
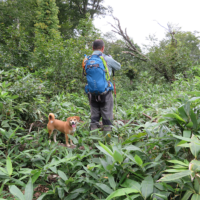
(155, 120)
(30, 128)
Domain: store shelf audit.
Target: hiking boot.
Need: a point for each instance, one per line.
(107, 131)
(94, 126)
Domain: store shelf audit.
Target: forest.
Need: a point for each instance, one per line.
(154, 147)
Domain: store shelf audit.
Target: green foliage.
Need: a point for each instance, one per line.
(16, 36)
(72, 12)
(46, 30)
(127, 168)
(46, 23)
(191, 41)
(169, 60)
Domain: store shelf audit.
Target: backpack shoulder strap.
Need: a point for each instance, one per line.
(106, 67)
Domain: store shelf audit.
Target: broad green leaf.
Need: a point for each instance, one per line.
(175, 170)
(106, 149)
(18, 182)
(132, 148)
(195, 165)
(75, 141)
(80, 190)
(158, 157)
(117, 156)
(104, 163)
(147, 187)
(161, 195)
(69, 181)
(187, 108)
(2, 185)
(133, 138)
(194, 98)
(121, 192)
(111, 181)
(159, 186)
(16, 192)
(174, 116)
(187, 134)
(72, 196)
(29, 190)
(178, 162)
(4, 171)
(94, 175)
(180, 166)
(132, 197)
(168, 187)
(35, 176)
(45, 194)
(109, 167)
(104, 187)
(197, 184)
(62, 175)
(2, 131)
(195, 146)
(195, 197)
(9, 166)
(186, 145)
(187, 195)
(61, 192)
(182, 113)
(189, 125)
(138, 160)
(94, 137)
(177, 148)
(182, 138)
(128, 183)
(55, 163)
(193, 118)
(53, 169)
(172, 177)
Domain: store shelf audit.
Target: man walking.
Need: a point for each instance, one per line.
(102, 105)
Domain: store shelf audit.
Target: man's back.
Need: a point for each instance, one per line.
(111, 63)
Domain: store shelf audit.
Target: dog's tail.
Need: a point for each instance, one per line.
(51, 117)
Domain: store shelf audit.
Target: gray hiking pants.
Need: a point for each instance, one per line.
(101, 106)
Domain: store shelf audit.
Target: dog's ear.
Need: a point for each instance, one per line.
(68, 119)
(77, 118)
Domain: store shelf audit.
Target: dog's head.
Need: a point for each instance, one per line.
(73, 120)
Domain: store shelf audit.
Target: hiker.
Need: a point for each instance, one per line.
(101, 104)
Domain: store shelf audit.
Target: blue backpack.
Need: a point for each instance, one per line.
(97, 75)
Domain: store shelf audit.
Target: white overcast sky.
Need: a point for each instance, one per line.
(138, 17)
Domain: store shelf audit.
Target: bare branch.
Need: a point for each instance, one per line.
(168, 30)
(79, 9)
(171, 32)
(131, 53)
(134, 51)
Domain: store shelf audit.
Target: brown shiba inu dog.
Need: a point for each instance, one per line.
(67, 127)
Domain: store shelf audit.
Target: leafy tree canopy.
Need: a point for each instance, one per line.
(72, 11)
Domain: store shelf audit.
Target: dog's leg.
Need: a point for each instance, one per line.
(50, 132)
(72, 142)
(66, 140)
(54, 136)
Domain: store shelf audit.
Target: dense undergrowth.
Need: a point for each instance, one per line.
(153, 153)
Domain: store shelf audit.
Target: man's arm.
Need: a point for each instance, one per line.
(112, 64)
